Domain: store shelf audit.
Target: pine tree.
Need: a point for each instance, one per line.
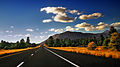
(112, 30)
(115, 40)
(28, 40)
(50, 41)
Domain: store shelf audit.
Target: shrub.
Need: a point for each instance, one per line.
(91, 46)
(99, 48)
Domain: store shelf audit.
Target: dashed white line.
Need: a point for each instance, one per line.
(32, 54)
(62, 58)
(20, 64)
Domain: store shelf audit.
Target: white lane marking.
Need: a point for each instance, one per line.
(32, 54)
(20, 64)
(62, 58)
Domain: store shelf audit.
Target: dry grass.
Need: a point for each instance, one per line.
(104, 53)
(16, 50)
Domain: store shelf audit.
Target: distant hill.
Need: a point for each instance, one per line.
(78, 35)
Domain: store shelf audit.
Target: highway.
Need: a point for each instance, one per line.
(44, 57)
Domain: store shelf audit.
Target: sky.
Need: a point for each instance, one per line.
(40, 19)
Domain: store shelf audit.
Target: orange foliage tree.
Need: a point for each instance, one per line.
(115, 40)
(91, 46)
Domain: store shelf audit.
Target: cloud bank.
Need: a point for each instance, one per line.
(90, 16)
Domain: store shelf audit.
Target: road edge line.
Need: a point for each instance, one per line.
(62, 58)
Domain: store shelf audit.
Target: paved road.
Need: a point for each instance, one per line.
(44, 57)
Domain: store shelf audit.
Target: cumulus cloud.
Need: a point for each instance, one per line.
(9, 31)
(27, 35)
(56, 30)
(29, 30)
(54, 10)
(90, 16)
(101, 26)
(47, 21)
(73, 11)
(69, 28)
(82, 25)
(89, 27)
(52, 29)
(117, 24)
(64, 19)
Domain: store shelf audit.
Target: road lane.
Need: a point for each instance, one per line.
(44, 58)
(40, 57)
(87, 60)
(14, 60)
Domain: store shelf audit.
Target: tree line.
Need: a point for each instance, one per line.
(18, 45)
(112, 41)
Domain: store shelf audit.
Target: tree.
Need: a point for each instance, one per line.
(28, 40)
(106, 42)
(112, 30)
(22, 41)
(67, 42)
(91, 46)
(101, 40)
(50, 41)
(56, 43)
(22, 44)
(115, 40)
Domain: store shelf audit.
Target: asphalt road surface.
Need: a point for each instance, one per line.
(44, 57)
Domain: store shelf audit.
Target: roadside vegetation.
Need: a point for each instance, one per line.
(6, 47)
(18, 45)
(107, 46)
(2, 51)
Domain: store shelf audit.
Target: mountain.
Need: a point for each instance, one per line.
(78, 35)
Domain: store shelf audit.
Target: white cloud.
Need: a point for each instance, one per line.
(18, 35)
(82, 25)
(52, 29)
(117, 24)
(69, 28)
(29, 30)
(59, 30)
(47, 21)
(73, 11)
(54, 10)
(79, 13)
(90, 16)
(11, 26)
(56, 30)
(101, 26)
(42, 37)
(64, 19)
(9, 31)
(27, 35)
(44, 32)
(89, 27)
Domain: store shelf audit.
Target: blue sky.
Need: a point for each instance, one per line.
(22, 18)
